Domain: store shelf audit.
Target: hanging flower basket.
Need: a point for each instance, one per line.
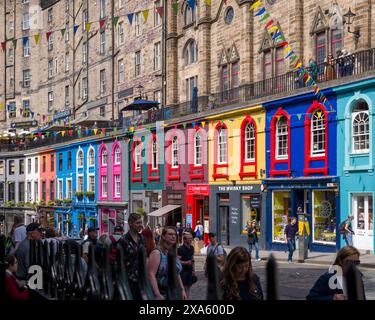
(81, 217)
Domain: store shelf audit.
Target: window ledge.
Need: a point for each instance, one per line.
(359, 155)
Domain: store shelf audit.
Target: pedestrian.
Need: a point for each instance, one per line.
(348, 231)
(158, 265)
(348, 60)
(15, 290)
(252, 238)
(330, 71)
(180, 231)
(149, 239)
(325, 288)
(239, 281)
(186, 255)
(314, 69)
(33, 232)
(50, 236)
(216, 249)
(17, 234)
(157, 234)
(198, 230)
(92, 239)
(290, 232)
(133, 242)
(189, 229)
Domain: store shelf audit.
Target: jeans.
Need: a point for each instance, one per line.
(255, 244)
(291, 248)
(348, 239)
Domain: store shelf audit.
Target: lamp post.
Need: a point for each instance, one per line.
(348, 20)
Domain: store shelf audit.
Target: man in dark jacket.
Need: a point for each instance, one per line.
(290, 233)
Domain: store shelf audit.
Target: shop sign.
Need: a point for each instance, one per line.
(255, 202)
(189, 219)
(244, 188)
(203, 189)
(174, 196)
(24, 124)
(234, 215)
(155, 205)
(61, 114)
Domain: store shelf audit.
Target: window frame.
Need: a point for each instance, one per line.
(354, 115)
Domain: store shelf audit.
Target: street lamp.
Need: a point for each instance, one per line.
(348, 20)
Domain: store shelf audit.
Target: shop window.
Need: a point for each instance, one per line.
(281, 212)
(249, 209)
(318, 133)
(360, 128)
(324, 216)
(248, 147)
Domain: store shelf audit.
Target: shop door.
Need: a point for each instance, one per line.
(363, 225)
(199, 210)
(223, 235)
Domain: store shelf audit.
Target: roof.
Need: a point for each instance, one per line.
(164, 210)
(141, 104)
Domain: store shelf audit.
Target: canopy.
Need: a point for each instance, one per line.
(141, 104)
(164, 210)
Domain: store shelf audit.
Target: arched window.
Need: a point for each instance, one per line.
(249, 142)
(222, 146)
(117, 155)
(175, 152)
(138, 157)
(154, 152)
(104, 157)
(190, 52)
(318, 132)
(189, 15)
(360, 128)
(91, 157)
(80, 158)
(281, 147)
(197, 149)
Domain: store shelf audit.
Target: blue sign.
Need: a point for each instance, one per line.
(61, 114)
(189, 218)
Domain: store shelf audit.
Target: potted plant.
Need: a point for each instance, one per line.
(90, 194)
(78, 194)
(67, 201)
(28, 204)
(20, 204)
(10, 203)
(81, 216)
(58, 202)
(50, 203)
(41, 203)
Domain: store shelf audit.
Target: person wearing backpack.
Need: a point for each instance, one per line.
(346, 230)
(217, 249)
(199, 230)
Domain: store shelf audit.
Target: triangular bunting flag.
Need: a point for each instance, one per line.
(1, 105)
(115, 20)
(103, 130)
(160, 11)
(95, 131)
(87, 132)
(175, 7)
(101, 23)
(15, 43)
(260, 12)
(278, 117)
(63, 32)
(3, 45)
(130, 18)
(25, 40)
(88, 26)
(48, 35)
(299, 116)
(319, 113)
(131, 129)
(259, 119)
(145, 14)
(63, 133)
(294, 58)
(283, 44)
(255, 5)
(79, 132)
(70, 132)
(203, 123)
(191, 3)
(268, 24)
(273, 28)
(47, 134)
(267, 15)
(184, 125)
(277, 34)
(75, 29)
(289, 54)
(193, 124)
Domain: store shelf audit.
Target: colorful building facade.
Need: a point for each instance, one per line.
(237, 164)
(301, 146)
(356, 159)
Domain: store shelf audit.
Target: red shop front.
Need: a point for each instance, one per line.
(197, 207)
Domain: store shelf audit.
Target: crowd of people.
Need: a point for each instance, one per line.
(237, 279)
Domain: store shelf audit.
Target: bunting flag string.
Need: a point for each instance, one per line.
(191, 4)
(130, 18)
(208, 3)
(160, 11)
(101, 23)
(175, 7)
(115, 20)
(145, 14)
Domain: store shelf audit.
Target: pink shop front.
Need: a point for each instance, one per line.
(111, 215)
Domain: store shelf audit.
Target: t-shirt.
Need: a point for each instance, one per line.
(291, 230)
(186, 253)
(23, 259)
(219, 250)
(19, 234)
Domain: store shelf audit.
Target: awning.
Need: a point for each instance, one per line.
(163, 211)
(141, 104)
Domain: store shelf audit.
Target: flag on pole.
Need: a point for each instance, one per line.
(268, 24)
(25, 40)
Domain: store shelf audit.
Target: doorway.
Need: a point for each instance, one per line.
(363, 224)
(223, 234)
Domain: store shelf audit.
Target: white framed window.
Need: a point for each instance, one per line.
(138, 157)
(26, 108)
(157, 96)
(85, 19)
(50, 100)
(121, 35)
(117, 155)
(69, 188)
(249, 142)
(36, 165)
(67, 61)
(102, 42)
(154, 162)
(102, 9)
(12, 111)
(137, 63)
(121, 4)
(222, 146)
(157, 55)
(50, 15)
(117, 186)
(50, 42)
(121, 71)
(157, 19)
(80, 159)
(191, 83)
(137, 23)
(189, 15)
(67, 33)
(50, 69)
(26, 78)
(80, 183)
(26, 21)
(360, 128)
(84, 88)
(175, 162)
(190, 52)
(103, 82)
(91, 157)
(91, 183)
(318, 133)
(26, 48)
(104, 157)
(282, 138)
(60, 189)
(197, 149)
(67, 95)
(84, 52)
(104, 186)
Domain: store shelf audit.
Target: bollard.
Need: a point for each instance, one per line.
(214, 291)
(354, 284)
(121, 286)
(174, 290)
(106, 277)
(92, 284)
(272, 283)
(144, 283)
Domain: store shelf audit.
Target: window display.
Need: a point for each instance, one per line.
(250, 210)
(281, 211)
(324, 216)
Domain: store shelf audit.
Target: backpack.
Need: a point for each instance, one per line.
(113, 250)
(342, 227)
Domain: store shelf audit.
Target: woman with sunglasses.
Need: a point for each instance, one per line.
(327, 289)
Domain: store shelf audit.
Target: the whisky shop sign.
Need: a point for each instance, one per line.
(24, 124)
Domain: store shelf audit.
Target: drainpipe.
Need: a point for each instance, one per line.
(113, 58)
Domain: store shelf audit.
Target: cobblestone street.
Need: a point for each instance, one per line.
(295, 280)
